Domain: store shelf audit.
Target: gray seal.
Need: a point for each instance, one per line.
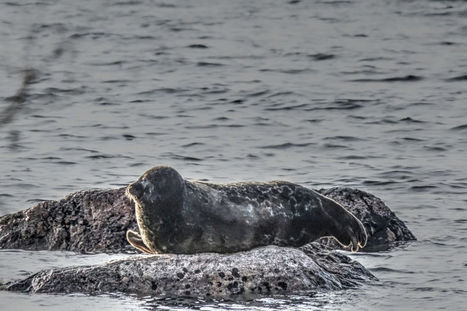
(184, 217)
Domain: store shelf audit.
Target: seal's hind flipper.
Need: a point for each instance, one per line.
(137, 242)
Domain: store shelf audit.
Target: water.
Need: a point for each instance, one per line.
(368, 94)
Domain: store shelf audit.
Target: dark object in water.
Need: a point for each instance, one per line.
(96, 221)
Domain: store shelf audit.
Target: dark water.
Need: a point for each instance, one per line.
(361, 93)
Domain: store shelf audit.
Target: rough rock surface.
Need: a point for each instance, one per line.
(97, 220)
(261, 271)
(85, 221)
(385, 230)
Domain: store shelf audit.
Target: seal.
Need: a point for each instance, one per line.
(184, 217)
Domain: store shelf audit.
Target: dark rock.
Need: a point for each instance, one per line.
(97, 220)
(265, 270)
(385, 230)
(85, 221)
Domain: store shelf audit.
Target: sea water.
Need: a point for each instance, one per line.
(359, 93)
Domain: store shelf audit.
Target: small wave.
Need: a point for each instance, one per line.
(106, 156)
(334, 146)
(412, 139)
(288, 71)
(390, 270)
(209, 64)
(215, 89)
(321, 56)
(422, 104)
(197, 46)
(79, 149)
(374, 59)
(448, 43)
(94, 35)
(183, 158)
(38, 116)
(65, 162)
(423, 188)
(344, 104)
(192, 144)
(237, 101)
(124, 3)
(21, 186)
(117, 81)
(379, 182)
(459, 127)
(383, 121)
(344, 138)
(285, 146)
(281, 94)
(434, 148)
(128, 136)
(408, 78)
(153, 117)
(314, 120)
(339, 107)
(166, 90)
(291, 107)
(212, 126)
(425, 289)
(410, 120)
(257, 94)
(458, 78)
(355, 157)
(221, 119)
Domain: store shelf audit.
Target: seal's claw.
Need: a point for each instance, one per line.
(137, 242)
(354, 245)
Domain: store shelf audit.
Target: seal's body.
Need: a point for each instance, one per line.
(179, 216)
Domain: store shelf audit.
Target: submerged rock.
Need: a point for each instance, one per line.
(262, 271)
(94, 221)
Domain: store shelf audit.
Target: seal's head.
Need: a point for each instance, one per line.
(157, 188)
(158, 197)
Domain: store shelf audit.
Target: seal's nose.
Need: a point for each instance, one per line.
(136, 189)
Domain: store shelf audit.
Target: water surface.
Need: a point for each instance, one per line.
(360, 93)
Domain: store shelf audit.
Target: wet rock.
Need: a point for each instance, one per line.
(85, 221)
(97, 220)
(262, 271)
(385, 230)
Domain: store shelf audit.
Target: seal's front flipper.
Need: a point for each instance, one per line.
(137, 242)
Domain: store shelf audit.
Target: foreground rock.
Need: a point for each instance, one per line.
(97, 220)
(258, 272)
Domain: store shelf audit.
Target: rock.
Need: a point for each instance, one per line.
(262, 271)
(385, 230)
(85, 221)
(94, 221)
